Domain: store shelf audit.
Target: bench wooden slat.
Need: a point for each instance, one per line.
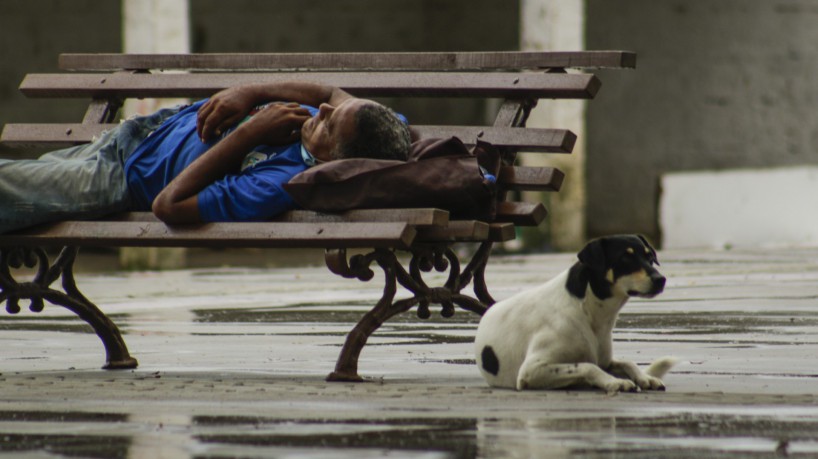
(519, 139)
(522, 178)
(455, 231)
(503, 60)
(36, 135)
(42, 135)
(414, 217)
(502, 232)
(374, 84)
(253, 235)
(521, 213)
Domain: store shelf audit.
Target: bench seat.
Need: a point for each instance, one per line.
(240, 235)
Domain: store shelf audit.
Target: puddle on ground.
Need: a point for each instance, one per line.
(67, 324)
(403, 329)
(334, 313)
(408, 329)
(778, 323)
(27, 324)
(101, 447)
(459, 328)
(680, 434)
(449, 437)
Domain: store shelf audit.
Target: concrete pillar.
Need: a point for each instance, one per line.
(558, 25)
(154, 27)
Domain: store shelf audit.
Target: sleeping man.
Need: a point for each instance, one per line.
(221, 159)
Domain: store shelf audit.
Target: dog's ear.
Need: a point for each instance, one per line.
(593, 255)
(650, 248)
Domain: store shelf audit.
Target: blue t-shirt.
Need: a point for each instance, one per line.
(253, 194)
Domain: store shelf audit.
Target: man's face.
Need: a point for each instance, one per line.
(331, 127)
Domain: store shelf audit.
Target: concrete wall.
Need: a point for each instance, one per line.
(33, 33)
(364, 26)
(719, 85)
(354, 25)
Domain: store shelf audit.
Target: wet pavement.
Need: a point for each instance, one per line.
(233, 360)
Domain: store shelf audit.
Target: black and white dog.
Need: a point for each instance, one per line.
(560, 333)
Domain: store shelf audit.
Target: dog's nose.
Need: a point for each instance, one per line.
(658, 282)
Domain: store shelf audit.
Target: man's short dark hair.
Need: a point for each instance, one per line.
(380, 135)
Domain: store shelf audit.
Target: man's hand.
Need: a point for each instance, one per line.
(276, 124)
(223, 110)
(228, 107)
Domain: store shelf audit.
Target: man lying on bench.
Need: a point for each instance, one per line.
(221, 159)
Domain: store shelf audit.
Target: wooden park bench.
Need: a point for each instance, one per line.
(518, 79)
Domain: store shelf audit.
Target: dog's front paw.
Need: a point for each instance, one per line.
(646, 382)
(620, 385)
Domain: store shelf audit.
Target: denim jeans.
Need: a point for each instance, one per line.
(81, 182)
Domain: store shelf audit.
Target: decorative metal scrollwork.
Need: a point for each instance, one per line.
(424, 259)
(39, 290)
(35, 291)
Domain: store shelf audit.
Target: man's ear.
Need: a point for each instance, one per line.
(593, 255)
(650, 247)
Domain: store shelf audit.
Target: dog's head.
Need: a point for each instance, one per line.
(621, 266)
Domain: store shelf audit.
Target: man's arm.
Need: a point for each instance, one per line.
(277, 124)
(231, 105)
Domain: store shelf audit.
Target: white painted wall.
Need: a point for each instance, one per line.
(156, 26)
(740, 208)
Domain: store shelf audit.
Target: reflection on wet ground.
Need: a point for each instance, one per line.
(236, 436)
(454, 437)
(233, 362)
(681, 435)
(101, 435)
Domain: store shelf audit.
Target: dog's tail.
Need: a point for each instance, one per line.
(660, 367)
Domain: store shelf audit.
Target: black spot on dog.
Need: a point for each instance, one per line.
(490, 362)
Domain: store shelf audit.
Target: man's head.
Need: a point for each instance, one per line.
(356, 128)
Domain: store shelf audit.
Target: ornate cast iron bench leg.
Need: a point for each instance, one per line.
(439, 258)
(38, 290)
